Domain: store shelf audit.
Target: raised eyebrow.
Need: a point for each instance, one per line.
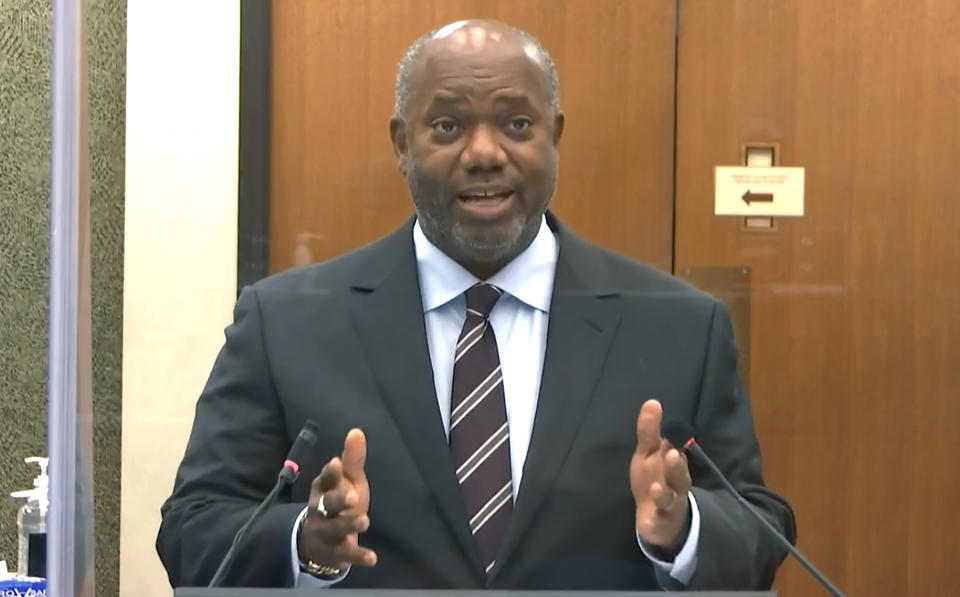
(512, 98)
(515, 102)
(447, 100)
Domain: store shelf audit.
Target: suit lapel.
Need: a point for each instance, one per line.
(387, 311)
(583, 319)
(388, 314)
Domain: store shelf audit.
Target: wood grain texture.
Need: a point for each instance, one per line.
(334, 183)
(855, 325)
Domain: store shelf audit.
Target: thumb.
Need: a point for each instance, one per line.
(354, 455)
(648, 427)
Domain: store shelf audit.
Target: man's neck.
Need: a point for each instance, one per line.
(484, 271)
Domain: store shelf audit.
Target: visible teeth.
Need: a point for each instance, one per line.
(485, 194)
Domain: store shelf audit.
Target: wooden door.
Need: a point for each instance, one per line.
(855, 340)
(333, 181)
(854, 326)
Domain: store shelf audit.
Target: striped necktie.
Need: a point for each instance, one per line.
(479, 435)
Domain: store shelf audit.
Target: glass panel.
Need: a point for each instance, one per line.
(26, 71)
(25, 62)
(106, 25)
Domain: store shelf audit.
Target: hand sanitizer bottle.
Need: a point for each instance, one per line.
(32, 524)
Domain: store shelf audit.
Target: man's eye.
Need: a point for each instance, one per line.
(520, 124)
(445, 127)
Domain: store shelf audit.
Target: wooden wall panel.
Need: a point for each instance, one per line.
(855, 328)
(334, 185)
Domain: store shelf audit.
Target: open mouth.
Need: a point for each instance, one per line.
(487, 202)
(498, 195)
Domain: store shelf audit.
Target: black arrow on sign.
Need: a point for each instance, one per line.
(757, 197)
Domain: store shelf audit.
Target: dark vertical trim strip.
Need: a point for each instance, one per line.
(253, 201)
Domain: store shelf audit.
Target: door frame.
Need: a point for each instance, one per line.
(253, 189)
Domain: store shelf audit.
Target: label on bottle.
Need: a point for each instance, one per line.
(37, 555)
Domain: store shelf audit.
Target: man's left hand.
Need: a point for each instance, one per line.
(660, 482)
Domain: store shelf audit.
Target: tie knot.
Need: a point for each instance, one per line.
(481, 298)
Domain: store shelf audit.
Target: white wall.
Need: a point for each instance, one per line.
(182, 112)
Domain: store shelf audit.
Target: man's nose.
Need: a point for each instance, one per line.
(483, 150)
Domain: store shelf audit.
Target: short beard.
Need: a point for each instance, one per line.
(490, 248)
(478, 247)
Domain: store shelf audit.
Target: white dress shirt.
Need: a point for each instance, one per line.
(519, 321)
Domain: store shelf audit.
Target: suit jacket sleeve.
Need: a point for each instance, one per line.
(735, 552)
(236, 447)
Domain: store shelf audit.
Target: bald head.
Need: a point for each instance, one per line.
(475, 132)
(472, 36)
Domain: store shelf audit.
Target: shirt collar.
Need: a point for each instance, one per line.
(529, 277)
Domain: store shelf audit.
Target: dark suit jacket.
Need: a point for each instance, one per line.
(343, 343)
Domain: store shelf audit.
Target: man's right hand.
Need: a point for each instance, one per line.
(332, 540)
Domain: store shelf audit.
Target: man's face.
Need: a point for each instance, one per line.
(478, 147)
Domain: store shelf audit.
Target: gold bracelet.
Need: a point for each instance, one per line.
(319, 570)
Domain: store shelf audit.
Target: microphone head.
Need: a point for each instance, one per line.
(303, 445)
(678, 432)
(308, 432)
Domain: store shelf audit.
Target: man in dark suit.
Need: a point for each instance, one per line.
(503, 373)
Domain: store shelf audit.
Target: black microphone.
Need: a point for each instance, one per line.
(680, 435)
(299, 451)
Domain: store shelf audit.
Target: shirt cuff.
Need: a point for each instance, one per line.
(684, 565)
(300, 578)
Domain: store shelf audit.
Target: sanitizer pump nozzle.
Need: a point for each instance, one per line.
(32, 523)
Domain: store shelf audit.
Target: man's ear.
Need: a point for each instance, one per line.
(558, 122)
(398, 138)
